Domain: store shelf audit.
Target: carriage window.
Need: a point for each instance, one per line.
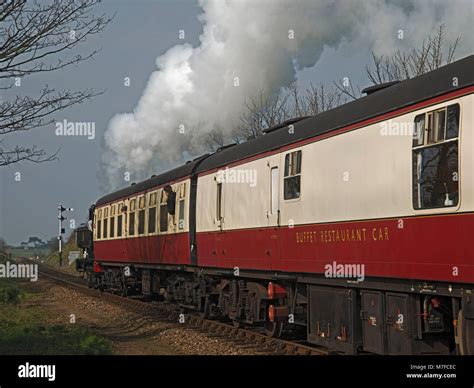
(152, 213)
(119, 220)
(99, 224)
(96, 218)
(141, 216)
(435, 161)
(275, 180)
(181, 206)
(219, 202)
(292, 179)
(419, 130)
(163, 212)
(106, 215)
(131, 218)
(440, 124)
(112, 221)
(452, 129)
(141, 221)
(181, 214)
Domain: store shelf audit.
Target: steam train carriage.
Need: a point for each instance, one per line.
(354, 225)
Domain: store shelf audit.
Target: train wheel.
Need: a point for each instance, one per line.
(465, 333)
(273, 329)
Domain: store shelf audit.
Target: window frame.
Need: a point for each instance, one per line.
(437, 143)
(120, 205)
(163, 205)
(105, 223)
(182, 214)
(219, 198)
(274, 190)
(112, 221)
(132, 210)
(151, 205)
(141, 211)
(291, 174)
(99, 224)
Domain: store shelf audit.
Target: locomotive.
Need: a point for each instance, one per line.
(351, 228)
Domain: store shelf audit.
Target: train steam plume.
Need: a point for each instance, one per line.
(247, 47)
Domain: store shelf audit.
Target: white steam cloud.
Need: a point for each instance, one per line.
(247, 47)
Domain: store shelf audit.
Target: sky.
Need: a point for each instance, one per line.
(141, 31)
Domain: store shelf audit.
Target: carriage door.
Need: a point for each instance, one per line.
(219, 247)
(273, 213)
(272, 249)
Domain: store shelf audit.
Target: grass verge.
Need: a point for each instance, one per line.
(28, 330)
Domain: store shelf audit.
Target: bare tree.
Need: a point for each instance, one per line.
(263, 111)
(348, 89)
(33, 35)
(319, 98)
(215, 139)
(259, 112)
(434, 52)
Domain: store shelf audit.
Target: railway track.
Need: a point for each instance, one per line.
(239, 337)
